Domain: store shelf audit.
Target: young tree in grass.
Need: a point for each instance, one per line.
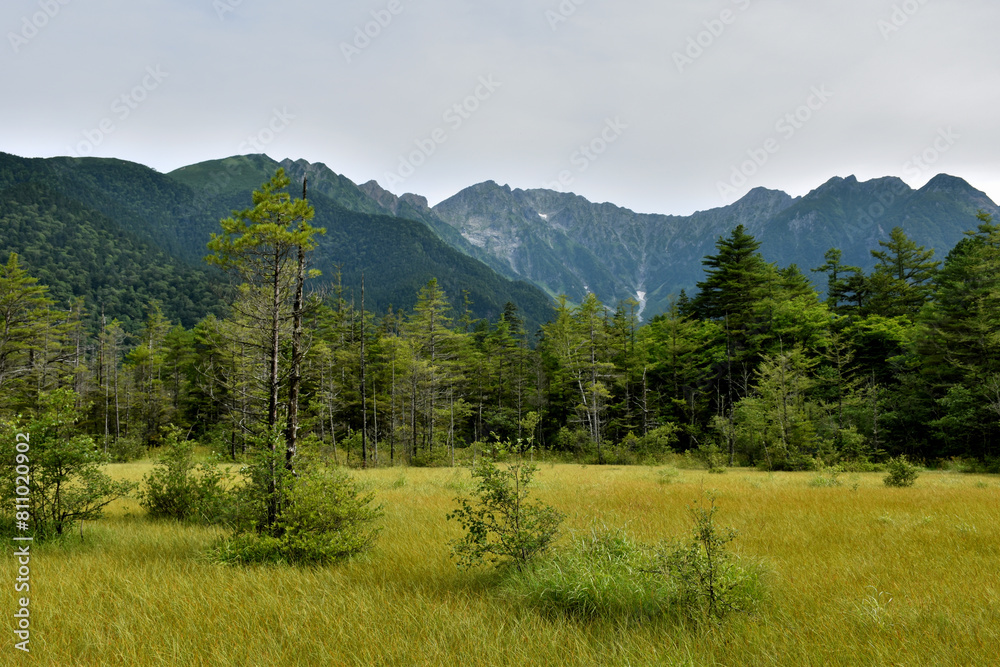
(264, 247)
(67, 484)
(502, 526)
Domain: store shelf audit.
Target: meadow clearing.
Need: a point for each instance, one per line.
(858, 574)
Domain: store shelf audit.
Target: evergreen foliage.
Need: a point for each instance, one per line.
(753, 369)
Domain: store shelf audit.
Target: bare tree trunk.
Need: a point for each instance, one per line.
(451, 428)
(413, 415)
(104, 378)
(392, 411)
(295, 380)
(364, 386)
(272, 405)
(374, 424)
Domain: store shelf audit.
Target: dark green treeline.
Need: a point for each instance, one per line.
(754, 367)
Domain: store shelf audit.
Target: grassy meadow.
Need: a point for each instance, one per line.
(858, 574)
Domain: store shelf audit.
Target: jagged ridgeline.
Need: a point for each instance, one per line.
(568, 245)
(121, 235)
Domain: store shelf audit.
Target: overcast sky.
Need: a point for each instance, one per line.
(665, 106)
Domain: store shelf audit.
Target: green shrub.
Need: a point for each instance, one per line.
(602, 575)
(607, 575)
(576, 442)
(439, 457)
(826, 477)
(326, 517)
(179, 489)
(902, 473)
(990, 465)
(67, 481)
(662, 439)
(501, 526)
(712, 458)
(250, 549)
(668, 475)
(126, 449)
(710, 579)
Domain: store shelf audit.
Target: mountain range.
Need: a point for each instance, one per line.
(565, 244)
(121, 234)
(568, 245)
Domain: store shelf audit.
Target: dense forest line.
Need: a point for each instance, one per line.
(753, 368)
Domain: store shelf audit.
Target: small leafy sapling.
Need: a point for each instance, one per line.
(502, 527)
(902, 473)
(705, 570)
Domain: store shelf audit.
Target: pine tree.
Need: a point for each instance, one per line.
(26, 319)
(959, 343)
(839, 285)
(735, 280)
(264, 247)
(902, 280)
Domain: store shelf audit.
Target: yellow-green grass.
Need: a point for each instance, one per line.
(859, 574)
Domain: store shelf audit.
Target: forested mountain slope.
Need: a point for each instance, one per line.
(121, 235)
(79, 252)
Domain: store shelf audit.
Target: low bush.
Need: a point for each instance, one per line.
(902, 473)
(326, 517)
(63, 470)
(502, 527)
(177, 488)
(607, 575)
(712, 457)
(126, 449)
(439, 457)
(990, 465)
(827, 477)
